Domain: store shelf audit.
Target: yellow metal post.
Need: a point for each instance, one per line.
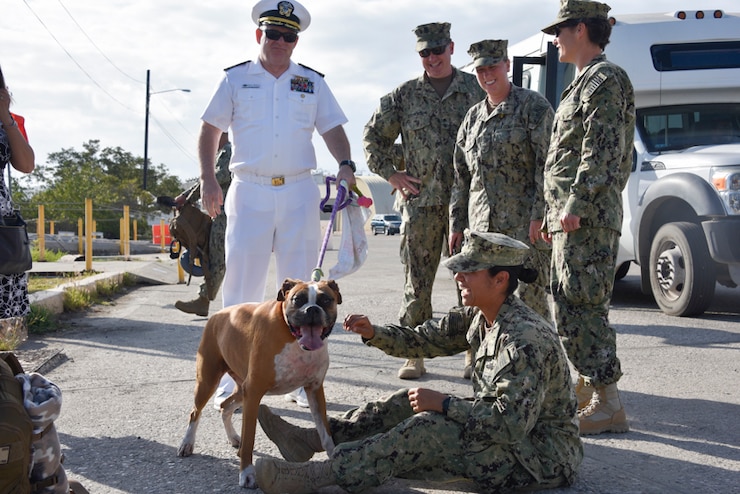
(40, 232)
(80, 236)
(88, 234)
(126, 232)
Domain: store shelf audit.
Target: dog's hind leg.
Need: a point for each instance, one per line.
(228, 407)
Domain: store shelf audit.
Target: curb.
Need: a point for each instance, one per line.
(53, 299)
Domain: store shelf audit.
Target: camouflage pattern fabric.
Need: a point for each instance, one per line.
(590, 155)
(423, 236)
(583, 267)
(499, 167)
(427, 126)
(519, 428)
(588, 165)
(217, 240)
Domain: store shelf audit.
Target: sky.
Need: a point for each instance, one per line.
(77, 68)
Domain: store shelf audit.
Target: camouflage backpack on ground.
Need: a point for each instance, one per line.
(191, 227)
(16, 430)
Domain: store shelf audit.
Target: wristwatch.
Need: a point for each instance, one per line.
(350, 164)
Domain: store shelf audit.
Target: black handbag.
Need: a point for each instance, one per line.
(15, 248)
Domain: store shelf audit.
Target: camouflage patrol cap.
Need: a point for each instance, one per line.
(578, 9)
(488, 52)
(432, 35)
(483, 250)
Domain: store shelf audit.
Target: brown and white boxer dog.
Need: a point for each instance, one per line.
(272, 347)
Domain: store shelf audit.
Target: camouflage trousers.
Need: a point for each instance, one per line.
(423, 234)
(385, 439)
(582, 281)
(216, 258)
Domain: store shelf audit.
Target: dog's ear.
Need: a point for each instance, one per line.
(333, 285)
(288, 284)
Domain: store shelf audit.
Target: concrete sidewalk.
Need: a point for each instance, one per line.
(127, 374)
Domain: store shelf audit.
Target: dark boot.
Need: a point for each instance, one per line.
(199, 306)
(295, 443)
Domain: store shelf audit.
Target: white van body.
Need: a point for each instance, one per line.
(682, 201)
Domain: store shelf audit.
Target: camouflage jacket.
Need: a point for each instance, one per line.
(590, 155)
(223, 175)
(499, 164)
(523, 395)
(427, 126)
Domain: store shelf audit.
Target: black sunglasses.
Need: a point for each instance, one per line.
(558, 29)
(428, 51)
(274, 35)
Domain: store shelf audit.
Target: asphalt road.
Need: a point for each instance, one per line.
(127, 374)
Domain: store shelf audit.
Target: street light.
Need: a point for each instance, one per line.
(146, 123)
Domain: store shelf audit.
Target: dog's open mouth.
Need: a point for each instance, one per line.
(311, 337)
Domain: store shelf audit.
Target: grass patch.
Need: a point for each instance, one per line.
(41, 320)
(49, 255)
(38, 283)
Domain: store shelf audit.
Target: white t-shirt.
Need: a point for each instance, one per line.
(272, 120)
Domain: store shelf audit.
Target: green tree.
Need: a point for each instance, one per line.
(111, 177)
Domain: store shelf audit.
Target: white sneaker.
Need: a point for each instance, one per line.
(298, 396)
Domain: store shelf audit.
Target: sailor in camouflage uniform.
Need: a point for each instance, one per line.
(426, 112)
(518, 430)
(499, 166)
(588, 165)
(217, 239)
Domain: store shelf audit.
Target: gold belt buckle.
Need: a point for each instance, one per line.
(278, 181)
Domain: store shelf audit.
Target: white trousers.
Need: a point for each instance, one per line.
(260, 220)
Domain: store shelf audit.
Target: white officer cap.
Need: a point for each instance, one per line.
(290, 14)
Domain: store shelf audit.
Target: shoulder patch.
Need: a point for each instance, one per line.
(237, 65)
(593, 83)
(312, 70)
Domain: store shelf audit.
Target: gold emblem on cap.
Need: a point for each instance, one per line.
(285, 9)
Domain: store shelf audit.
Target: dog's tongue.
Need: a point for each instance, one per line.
(311, 337)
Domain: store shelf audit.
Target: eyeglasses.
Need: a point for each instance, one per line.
(428, 51)
(274, 35)
(559, 28)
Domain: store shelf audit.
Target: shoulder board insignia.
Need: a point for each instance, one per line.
(312, 70)
(237, 65)
(594, 82)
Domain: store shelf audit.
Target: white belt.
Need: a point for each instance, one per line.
(274, 181)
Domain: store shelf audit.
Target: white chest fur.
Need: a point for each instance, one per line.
(295, 367)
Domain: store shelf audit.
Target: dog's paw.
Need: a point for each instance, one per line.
(185, 449)
(235, 441)
(248, 478)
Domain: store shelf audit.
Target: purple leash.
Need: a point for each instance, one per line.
(341, 201)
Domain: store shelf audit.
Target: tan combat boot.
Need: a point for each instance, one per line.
(199, 306)
(412, 369)
(584, 392)
(604, 413)
(468, 369)
(281, 477)
(296, 444)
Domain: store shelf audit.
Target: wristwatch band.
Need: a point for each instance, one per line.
(350, 164)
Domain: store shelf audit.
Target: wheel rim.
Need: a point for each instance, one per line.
(670, 269)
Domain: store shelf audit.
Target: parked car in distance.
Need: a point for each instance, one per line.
(386, 223)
